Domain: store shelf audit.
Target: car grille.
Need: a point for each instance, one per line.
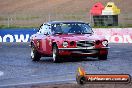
(83, 44)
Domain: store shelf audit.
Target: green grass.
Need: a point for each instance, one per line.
(14, 26)
(19, 18)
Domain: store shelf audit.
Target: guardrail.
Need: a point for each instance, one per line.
(114, 35)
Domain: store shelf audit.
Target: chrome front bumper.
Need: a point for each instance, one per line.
(80, 49)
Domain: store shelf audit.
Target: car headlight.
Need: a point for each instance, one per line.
(65, 44)
(105, 43)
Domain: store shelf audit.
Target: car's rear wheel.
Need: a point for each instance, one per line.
(35, 56)
(102, 57)
(55, 54)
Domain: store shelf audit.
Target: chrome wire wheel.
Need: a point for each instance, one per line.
(35, 56)
(32, 52)
(55, 54)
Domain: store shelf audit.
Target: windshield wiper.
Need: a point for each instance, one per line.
(78, 33)
(86, 33)
(82, 33)
(59, 33)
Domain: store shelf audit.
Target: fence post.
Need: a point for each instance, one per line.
(8, 22)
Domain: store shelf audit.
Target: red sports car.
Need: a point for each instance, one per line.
(60, 39)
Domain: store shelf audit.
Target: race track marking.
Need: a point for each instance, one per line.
(1, 73)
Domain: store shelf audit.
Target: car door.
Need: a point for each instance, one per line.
(41, 39)
(46, 32)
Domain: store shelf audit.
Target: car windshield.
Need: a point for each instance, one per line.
(73, 28)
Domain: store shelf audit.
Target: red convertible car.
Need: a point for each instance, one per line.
(59, 39)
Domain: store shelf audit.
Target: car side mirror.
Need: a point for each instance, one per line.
(46, 33)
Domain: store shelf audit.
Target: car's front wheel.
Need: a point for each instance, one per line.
(35, 56)
(55, 54)
(102, 57)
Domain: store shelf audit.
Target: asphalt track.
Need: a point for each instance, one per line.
(16, 67)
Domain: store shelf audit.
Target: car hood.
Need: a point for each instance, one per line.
(77, 37)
